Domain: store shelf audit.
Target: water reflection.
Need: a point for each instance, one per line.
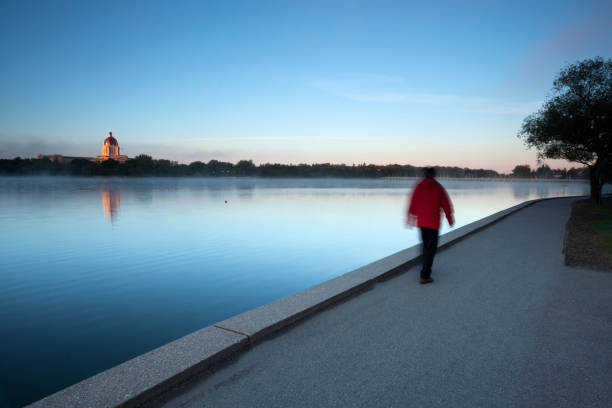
(110, 200)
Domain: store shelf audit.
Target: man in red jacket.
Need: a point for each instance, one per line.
(427, 199)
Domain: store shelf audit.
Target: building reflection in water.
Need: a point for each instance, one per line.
(110, 201)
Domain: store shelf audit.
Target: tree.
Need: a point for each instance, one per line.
(543, 172)
(141, 165)
(575, 123)
(522, 171)
(245, 168)
(82, 167)
(218, 168)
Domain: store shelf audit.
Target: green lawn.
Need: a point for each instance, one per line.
(603, 226)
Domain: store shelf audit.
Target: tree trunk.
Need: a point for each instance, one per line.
(595, 176)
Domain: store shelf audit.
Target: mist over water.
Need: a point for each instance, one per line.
(98, 270)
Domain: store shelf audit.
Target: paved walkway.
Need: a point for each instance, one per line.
(505, 324)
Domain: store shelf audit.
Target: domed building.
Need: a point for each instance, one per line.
(110, 150)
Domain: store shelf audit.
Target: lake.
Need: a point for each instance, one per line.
(96, 271)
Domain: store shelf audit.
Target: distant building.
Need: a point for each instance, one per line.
(110, 151)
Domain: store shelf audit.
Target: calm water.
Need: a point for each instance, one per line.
(96, 271)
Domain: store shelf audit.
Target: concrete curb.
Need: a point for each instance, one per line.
(149, 375)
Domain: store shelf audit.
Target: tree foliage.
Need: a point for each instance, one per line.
(522, 171)
(575, 122)
(544, 172)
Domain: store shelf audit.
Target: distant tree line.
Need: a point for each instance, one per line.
(144, 165)
(545, 172)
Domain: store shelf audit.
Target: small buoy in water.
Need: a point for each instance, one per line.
(225, 201)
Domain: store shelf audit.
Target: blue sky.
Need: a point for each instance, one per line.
(444, 83)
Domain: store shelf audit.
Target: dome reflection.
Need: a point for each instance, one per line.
(110, 201)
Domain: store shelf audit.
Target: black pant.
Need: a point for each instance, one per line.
(430, 245)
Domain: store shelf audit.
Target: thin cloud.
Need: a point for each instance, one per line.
(383, 97)
(379, 78)
(500, 108)
(374, 88)
(10, 149)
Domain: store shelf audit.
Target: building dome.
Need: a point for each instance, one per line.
(110, 140)
(110, 150)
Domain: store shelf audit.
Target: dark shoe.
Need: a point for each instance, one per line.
(425, 280)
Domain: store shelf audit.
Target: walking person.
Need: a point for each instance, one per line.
(426, 202)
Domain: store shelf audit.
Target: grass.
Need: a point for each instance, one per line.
(603, 225)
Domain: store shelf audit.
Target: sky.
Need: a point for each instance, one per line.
(421, 83)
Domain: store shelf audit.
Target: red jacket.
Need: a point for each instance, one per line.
(427, 199)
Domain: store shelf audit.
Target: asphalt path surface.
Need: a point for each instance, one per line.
(505, 324)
